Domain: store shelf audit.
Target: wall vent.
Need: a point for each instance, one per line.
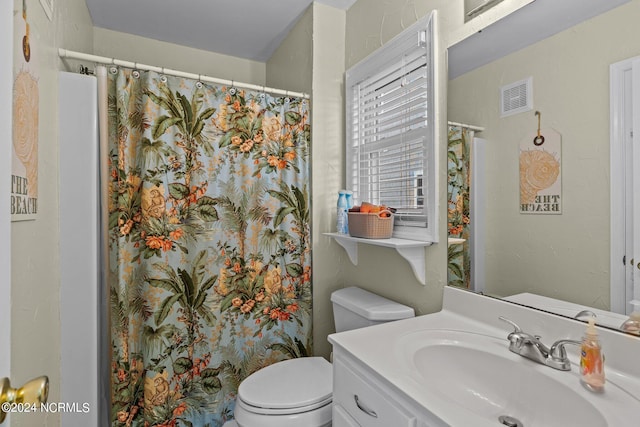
(516, 97)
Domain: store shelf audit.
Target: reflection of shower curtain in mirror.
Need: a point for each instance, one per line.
(209, 244)
(458, 205)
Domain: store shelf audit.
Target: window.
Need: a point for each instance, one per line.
(391, 138)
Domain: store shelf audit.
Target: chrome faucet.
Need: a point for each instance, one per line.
(530, 346)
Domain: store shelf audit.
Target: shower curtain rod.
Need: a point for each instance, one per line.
(471, 127)
(64, 53)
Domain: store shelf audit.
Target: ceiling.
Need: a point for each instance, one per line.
(534, 22)
(250, 29)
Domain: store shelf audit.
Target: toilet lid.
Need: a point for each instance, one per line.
(294, 383)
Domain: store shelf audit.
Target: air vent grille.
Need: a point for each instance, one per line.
(516, 97)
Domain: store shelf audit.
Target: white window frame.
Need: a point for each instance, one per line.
(419, 36)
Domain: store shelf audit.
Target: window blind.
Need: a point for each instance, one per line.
(389, 127)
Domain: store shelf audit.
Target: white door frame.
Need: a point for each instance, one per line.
(6, 97)
(622, 125)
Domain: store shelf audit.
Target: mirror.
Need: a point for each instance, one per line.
(557, 262)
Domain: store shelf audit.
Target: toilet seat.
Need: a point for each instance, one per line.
(288, 387)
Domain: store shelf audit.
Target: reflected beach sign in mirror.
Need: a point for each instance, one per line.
(540, 173)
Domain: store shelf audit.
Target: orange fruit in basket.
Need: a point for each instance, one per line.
(385, 211)
(366, 207)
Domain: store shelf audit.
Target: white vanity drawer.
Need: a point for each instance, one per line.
(340, 418)
(365, 402)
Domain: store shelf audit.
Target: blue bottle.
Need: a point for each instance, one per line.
(341, 213)
(349, 195)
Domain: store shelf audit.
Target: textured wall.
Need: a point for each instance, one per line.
(291, 65)
(311, 60)
(328, 163)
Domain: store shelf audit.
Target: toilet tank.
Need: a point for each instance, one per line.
(355, 308)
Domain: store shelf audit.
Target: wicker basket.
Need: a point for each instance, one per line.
(371, 225)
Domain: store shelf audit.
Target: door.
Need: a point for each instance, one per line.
(6, 79)
(625, 185)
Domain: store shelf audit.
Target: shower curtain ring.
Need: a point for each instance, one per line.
(113, 69)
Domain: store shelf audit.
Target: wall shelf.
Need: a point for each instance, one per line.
(411, 250)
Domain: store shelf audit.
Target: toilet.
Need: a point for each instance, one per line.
(298, 392)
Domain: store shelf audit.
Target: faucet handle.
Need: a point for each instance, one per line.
(558, 356)
(516, 338)
(557, 350)
(516, 328)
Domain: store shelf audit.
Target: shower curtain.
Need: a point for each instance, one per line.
(209, 243)
(458, 209)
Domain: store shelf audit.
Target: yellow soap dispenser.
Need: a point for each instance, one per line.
(632, 324)
(592, 360)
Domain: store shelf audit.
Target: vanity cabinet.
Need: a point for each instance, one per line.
(362, 398)
(454, 368)
(342, 418)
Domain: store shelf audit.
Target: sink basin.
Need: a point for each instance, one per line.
(478, 375)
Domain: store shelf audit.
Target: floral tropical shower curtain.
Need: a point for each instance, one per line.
(458, 209)
(209, 244)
